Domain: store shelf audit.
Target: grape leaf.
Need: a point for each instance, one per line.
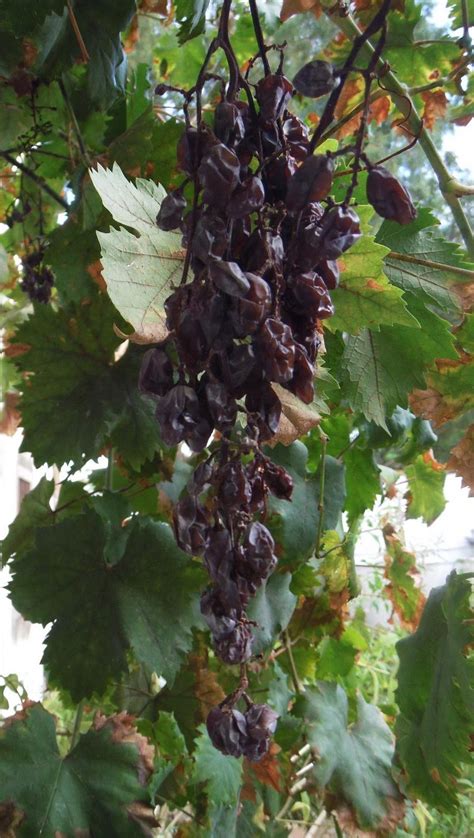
(89, 790)
(401, 572)
(426, 480)
(35, 511)
(419, 240)
(191, 15)
(354, 760)
(146, 601)
(272, 609)
(75, 398)
(295, 528)
(139, 269)
(222, 775)
(365, 296)
(381, 368)
(435, 694)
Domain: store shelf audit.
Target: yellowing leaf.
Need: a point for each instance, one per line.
(462, 458)
(297, 7)
(400, 570)
(139, 268)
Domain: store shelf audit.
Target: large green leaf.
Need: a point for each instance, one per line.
(435, 695)
(146, 601)
(353, 760)
(295, 524)
(222, 774)
(365, 296)
(381, 368)
(139, 270)
(420, 241)
(86, 792)
(271, 608)
(75, 398)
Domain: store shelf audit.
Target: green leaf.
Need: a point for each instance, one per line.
(139, 269)
(354, 760)
(191, 15)
(87, 791)
(381, 368)
(222, 774)
(75, 398)
(272, 609)
(365, 296)
(362, 480)
(435, 695)
(419, 240)
(426, 496)
(401, 570)
(35, 511)
(70, 252)
(146, 601)
(295, 528)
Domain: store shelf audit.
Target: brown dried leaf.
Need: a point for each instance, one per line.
(379, 110)
(429, 404)
(207, 689)
(298, 7)
(297, 418)
(435, 108)
(462, 459)
(124, 731)
(347, 820)
(347, 100)
(401, 572)
(267, 771)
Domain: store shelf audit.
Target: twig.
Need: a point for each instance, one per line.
(428, 263)
(36, 178)
(75, 26)
(259, 36)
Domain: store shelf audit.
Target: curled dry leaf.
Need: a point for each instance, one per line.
(435, 108)
(296, 420)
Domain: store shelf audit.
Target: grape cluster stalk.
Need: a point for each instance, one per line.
(262, 237)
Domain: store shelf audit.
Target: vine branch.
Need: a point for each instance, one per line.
(401, 98)
(36, 178)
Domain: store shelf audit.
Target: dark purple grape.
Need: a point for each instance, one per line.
(192, 145)
(181, 418)
(246, 198)
(388, 197)
(308, 293)
(330, 274)
(261, 725)
(310, 183)
(156, 372)
(227, 730)
(229, 125)
(210, 238)
(276, 349)
(248, 312)
(278, 173)
(237, 646)
(302, 383)
(278, 481)
(256, 558)
(219, 556)
(191, 525)
(171, 211)
(339, 230)
(219, 174)
(222, 407)
(234, 488)
(263, 250)
(296, 136)
(265, 407)
(273, 94)
(228, 277)
(220, 617)
(315, 79)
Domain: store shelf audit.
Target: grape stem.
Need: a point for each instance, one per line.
(399, 95)
(259, 36)
(299, 688)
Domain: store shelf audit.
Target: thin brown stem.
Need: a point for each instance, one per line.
(77, 32)
(259, 36)
(428, 263)
(299, 688)
(36, 178)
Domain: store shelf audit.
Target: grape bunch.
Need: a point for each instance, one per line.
(37, 280)
(262, 237)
